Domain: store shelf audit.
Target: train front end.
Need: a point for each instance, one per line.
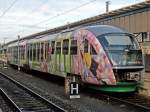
(125, 56)
(117, 62)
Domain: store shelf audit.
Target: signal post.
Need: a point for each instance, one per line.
(72, 87)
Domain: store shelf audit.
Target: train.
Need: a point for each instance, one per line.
(104, 57)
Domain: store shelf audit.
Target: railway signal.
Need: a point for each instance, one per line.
(74, 89)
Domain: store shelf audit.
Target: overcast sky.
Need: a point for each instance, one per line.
(25, 17)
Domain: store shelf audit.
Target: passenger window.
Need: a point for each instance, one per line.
(42, 51)
(46, 50)
(73, 48)
(20, 52)
(92, 50)
(86, 46)
(58, 48)
(30, 51)
(53, 47)
(34, 52)
(65, 46)
(23, 52)
(38, 51)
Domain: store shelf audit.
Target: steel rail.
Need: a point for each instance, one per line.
(34, 93)
(11, 103)
(129, 103)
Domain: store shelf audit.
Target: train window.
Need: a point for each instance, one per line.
(58, 48)
(34, 52)
(23, 52)
(92, 50)
(38, 51)
(86, 46)
(30, 52)
(65, 46)
(73, 48)
(53, 47)
(20, 51)
(42, 51)
(27, 51)
(46, 50)
(16, 52)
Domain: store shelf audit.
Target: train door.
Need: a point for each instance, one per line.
(58, 55)
(52, 63)
(73, 57)
(45, 61)
(66, 56)
(86, 56)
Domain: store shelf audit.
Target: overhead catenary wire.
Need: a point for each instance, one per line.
(65, 12)
(34, 9)
(62, 13)
(5, 11)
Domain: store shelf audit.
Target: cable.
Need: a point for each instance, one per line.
(22, 25)
(11, 5)
(33, 9)
(66, 12)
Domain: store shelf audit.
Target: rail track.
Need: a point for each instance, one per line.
(11, 104)
(23, 99)
(134, 101)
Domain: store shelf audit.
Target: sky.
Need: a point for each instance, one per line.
(26, 17)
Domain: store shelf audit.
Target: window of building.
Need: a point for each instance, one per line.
(58, 48)
(65, 46)
(73, 47)
(146, 36)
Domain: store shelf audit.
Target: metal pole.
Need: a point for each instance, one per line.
(18, 54)
(4, 55)
(107, 6)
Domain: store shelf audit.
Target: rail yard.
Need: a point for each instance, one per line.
(98, 64)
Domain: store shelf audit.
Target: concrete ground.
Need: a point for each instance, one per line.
(145, 88)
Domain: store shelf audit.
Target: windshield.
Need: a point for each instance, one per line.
(121, 49)
(118, 42)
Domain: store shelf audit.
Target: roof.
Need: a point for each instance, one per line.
(104, 29)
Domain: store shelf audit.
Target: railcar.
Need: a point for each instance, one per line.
(3, 55)
(105, 57)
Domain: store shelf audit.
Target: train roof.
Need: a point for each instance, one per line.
(21, 43)
(42, 38)
(104, 29)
